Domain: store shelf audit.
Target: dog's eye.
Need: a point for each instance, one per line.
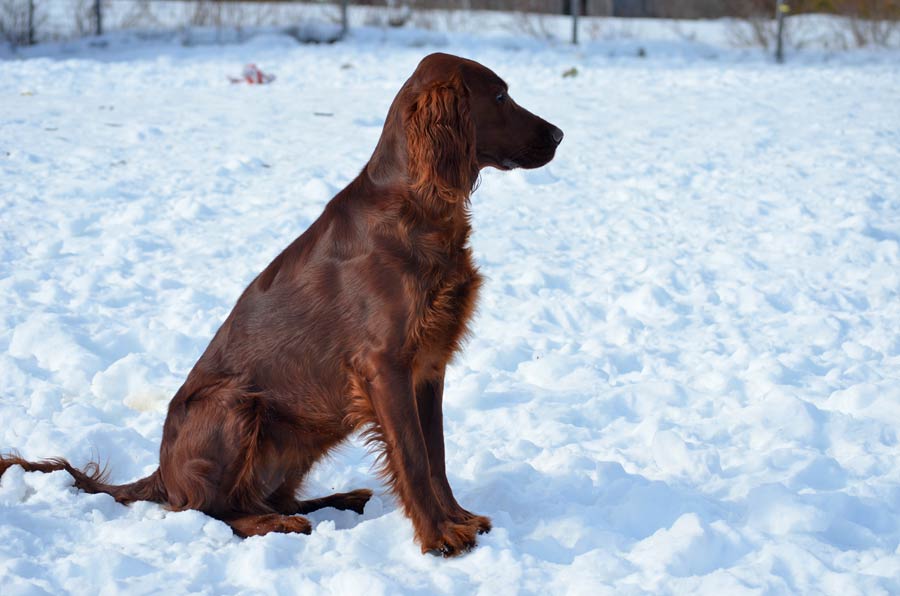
(501, 97)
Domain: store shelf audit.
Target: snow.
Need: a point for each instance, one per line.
(683, 375)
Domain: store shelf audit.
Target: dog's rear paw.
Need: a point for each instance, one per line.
(356, 500)
(260, 525)
(292, 524)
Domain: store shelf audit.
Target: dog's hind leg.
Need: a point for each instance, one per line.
(355, 500)
(283, 500)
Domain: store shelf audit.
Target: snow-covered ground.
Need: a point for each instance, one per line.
(685, 371)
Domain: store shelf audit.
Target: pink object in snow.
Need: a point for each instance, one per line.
(253, 76)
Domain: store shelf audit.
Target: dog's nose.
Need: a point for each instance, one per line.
(557, 135)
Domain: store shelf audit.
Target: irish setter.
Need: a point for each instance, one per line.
(349, 329)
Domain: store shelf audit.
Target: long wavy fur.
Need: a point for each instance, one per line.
(440, 133)
(92, 479)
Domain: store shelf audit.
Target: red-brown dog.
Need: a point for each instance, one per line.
(350, 329)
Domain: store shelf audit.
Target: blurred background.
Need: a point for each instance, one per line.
(754, 23)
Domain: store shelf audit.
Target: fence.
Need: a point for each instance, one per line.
(24, 22)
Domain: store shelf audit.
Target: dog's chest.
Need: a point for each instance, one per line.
(445, 308)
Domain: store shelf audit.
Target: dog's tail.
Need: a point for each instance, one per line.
(92, 479)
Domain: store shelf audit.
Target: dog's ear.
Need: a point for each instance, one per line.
(440, 139)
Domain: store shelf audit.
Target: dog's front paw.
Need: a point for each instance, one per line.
(452, 539)
(482, 523)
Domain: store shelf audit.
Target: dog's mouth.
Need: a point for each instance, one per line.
(532, 157)
(489, 161)
(527, 158)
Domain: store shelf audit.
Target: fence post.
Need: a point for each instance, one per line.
(345, 25)
(98, 18)
(781, 9)
(31, 22)
(576, 8)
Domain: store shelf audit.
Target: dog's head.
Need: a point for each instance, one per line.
(457, 117)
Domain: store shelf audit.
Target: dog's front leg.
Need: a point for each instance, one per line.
(429, 401)
(407, 464)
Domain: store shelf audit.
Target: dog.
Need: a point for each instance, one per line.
(349, 329)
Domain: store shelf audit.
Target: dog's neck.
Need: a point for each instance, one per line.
(387, 168)
(424, 205)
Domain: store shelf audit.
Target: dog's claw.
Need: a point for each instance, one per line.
(444, 551)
